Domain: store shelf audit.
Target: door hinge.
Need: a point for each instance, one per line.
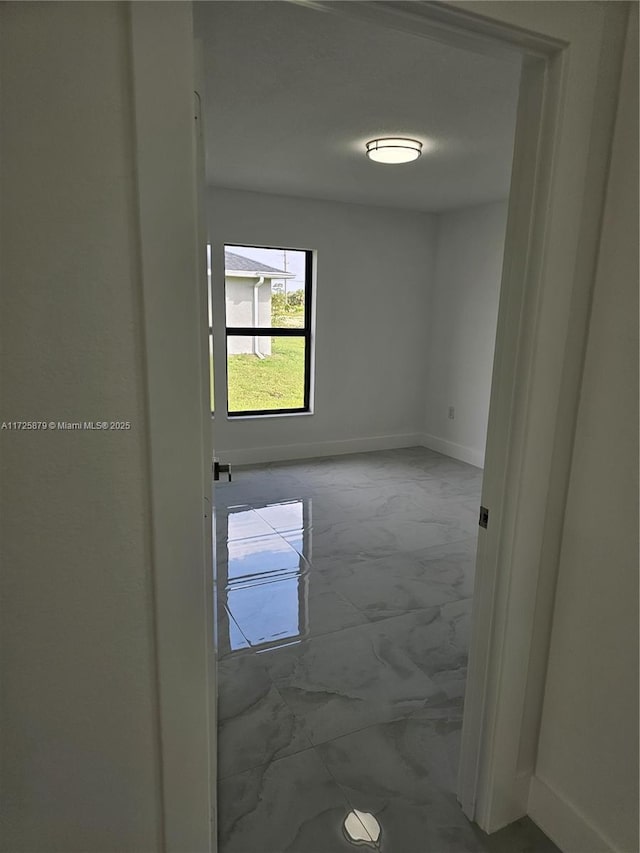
(483, 521)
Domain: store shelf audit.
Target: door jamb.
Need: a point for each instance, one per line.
(515, 572)
(165, 176)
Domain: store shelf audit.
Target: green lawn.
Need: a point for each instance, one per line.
(274, 382)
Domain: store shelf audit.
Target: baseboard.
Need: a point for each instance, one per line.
(286, 452)
(563, 823)
(498, 809)
(450, 448)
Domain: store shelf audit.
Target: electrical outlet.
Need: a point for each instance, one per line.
(452, 413)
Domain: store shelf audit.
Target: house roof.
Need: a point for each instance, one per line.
(235, 264)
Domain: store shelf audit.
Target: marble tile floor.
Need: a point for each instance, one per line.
(343, 596)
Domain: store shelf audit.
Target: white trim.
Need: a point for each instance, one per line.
(236, 418)
(481, 797)
(162, 69)
(534, 403)
(285, 452)
(563, 823)
(466, 29)
(202, 262)
(457, 451)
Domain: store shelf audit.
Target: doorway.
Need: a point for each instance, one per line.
(382, 551)
(527, 354)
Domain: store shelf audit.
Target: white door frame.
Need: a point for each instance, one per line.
(174, 307)
(572, 54)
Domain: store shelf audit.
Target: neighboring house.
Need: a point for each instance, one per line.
(248, 285)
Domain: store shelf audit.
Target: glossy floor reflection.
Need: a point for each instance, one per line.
(344, 591)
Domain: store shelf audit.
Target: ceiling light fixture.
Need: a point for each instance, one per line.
(393, 149)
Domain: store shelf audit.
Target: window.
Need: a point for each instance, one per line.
(268, 330)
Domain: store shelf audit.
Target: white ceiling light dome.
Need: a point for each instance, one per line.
(394, 149)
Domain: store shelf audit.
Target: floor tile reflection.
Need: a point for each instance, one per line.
(344, 597)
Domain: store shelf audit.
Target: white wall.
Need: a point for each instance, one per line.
(373, 270)
(80, 754)
(585, 791)
(462, 321)
(80, 738)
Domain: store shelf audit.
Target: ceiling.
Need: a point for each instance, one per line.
(292, 94)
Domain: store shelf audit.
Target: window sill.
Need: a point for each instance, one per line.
(236, 418)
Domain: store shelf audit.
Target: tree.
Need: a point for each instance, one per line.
(283, 308)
